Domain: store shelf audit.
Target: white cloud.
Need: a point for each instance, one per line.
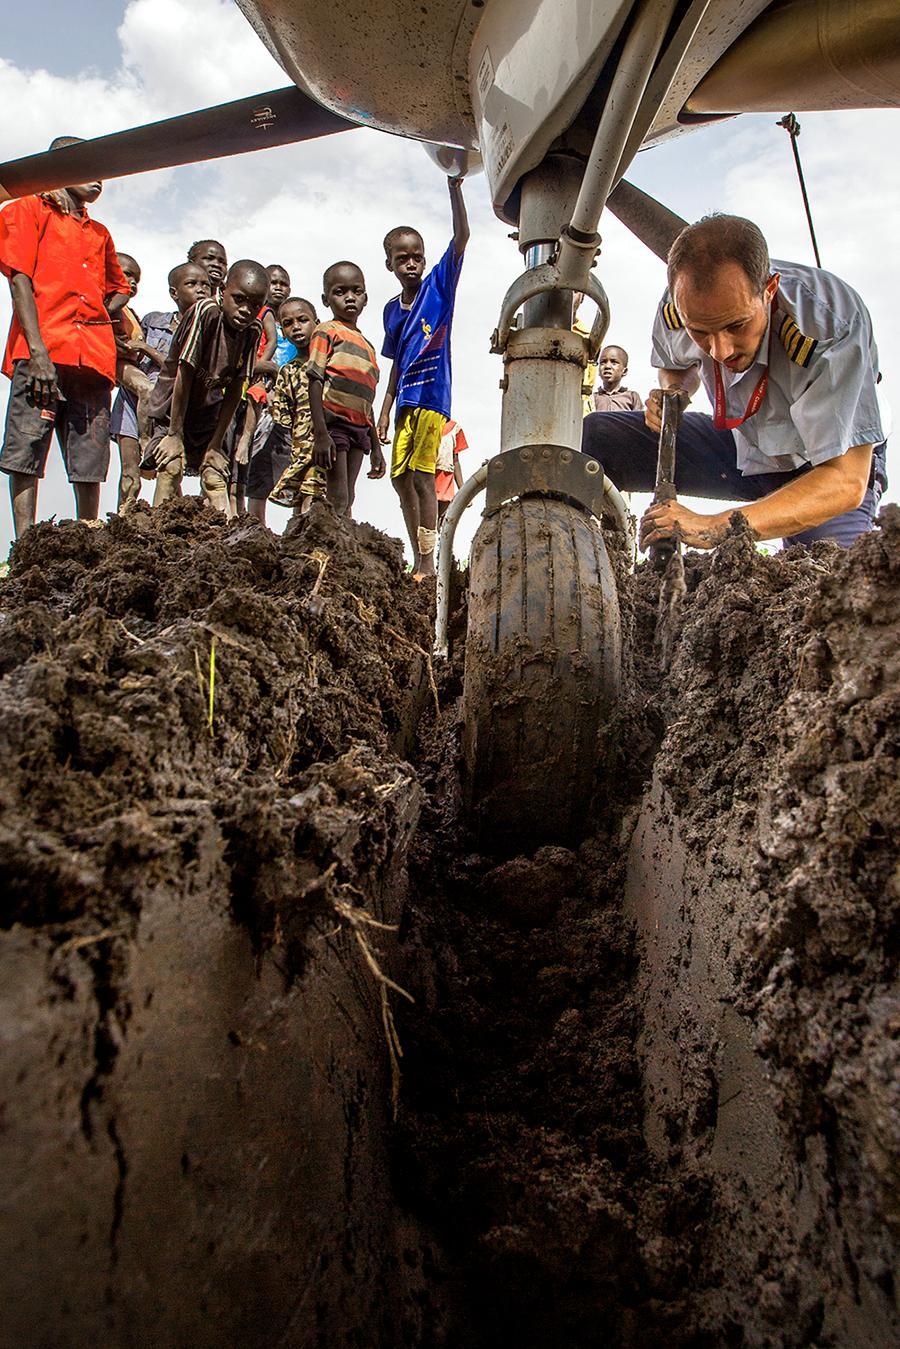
(308, 205)
(194, 55)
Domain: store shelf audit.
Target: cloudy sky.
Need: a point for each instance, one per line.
(103, 65)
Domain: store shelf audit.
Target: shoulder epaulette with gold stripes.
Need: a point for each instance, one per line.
(671, 316)
(798, 346)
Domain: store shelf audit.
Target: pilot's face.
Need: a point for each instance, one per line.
(725, 318)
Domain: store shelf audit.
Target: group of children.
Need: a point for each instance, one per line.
(240, 383)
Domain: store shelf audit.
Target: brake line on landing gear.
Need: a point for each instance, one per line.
(792, 127)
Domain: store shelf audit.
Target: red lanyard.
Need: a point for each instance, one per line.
(720, 421)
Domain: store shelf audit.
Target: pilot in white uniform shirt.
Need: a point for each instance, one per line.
(809, 397)
(822, 364)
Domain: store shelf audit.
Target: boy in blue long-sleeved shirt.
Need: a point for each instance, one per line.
(417, 326)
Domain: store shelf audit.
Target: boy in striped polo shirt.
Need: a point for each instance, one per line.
(343, 373)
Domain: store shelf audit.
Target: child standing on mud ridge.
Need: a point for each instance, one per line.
(188, 282)
(252, 408)
(417, 326)
(213, 353)
(343, 374)
(302, 480)
(259, 445)
(66, 285)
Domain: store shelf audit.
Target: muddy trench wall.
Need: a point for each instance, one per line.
(763, 884)
(650, 1087)
(200, 899)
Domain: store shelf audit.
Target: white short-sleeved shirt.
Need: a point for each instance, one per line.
(812, 412)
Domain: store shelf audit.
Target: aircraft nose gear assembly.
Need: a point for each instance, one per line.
(543, 646)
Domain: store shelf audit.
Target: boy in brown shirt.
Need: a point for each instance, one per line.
(196, 396)
(611, 397)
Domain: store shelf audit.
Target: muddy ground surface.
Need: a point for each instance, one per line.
(595, 1029)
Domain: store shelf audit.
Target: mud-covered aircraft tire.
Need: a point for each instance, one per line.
(542, 672)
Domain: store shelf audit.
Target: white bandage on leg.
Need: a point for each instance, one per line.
(427, 540)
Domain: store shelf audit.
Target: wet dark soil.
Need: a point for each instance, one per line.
(572, 1162)
(111, 732)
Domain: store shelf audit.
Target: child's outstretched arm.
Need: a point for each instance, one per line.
(270, 341)
(458, 215)
(383, 429)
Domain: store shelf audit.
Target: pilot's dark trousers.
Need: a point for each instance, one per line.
(706, 466)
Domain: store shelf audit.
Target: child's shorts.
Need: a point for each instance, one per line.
(81, 419)
(196, 438)
(269, 457)
(348, 436)
(444, 485)
(302, 478)
(417, 439)
(123, 419)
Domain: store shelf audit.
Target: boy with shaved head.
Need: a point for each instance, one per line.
(196, 396)
(66, 285)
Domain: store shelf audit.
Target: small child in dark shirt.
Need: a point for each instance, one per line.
(258, 461)
(343, 375)
(149, 349)
(196, 396)
(611, 397)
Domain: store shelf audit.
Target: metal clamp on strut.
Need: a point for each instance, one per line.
(541, 280)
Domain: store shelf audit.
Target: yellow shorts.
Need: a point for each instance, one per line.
(417, 438)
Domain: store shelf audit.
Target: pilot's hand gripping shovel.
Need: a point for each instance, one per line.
(666, 557)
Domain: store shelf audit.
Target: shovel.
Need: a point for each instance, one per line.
(665, 473)
(666, 557)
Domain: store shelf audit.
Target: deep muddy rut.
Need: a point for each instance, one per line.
(648, 1087)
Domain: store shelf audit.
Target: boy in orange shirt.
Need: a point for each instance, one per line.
(343, 374)
(66, 285)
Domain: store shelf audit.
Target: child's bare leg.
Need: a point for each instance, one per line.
(87, 500)
(409, 505)
(354, 464)
(338, 491)
(257, 508)
(23, 496)
(215, 472)
(169, 471)
(242, 451)
(130, 476)
(423, 485)
(138, 384)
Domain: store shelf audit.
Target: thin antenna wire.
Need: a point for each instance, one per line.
(792, 127)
